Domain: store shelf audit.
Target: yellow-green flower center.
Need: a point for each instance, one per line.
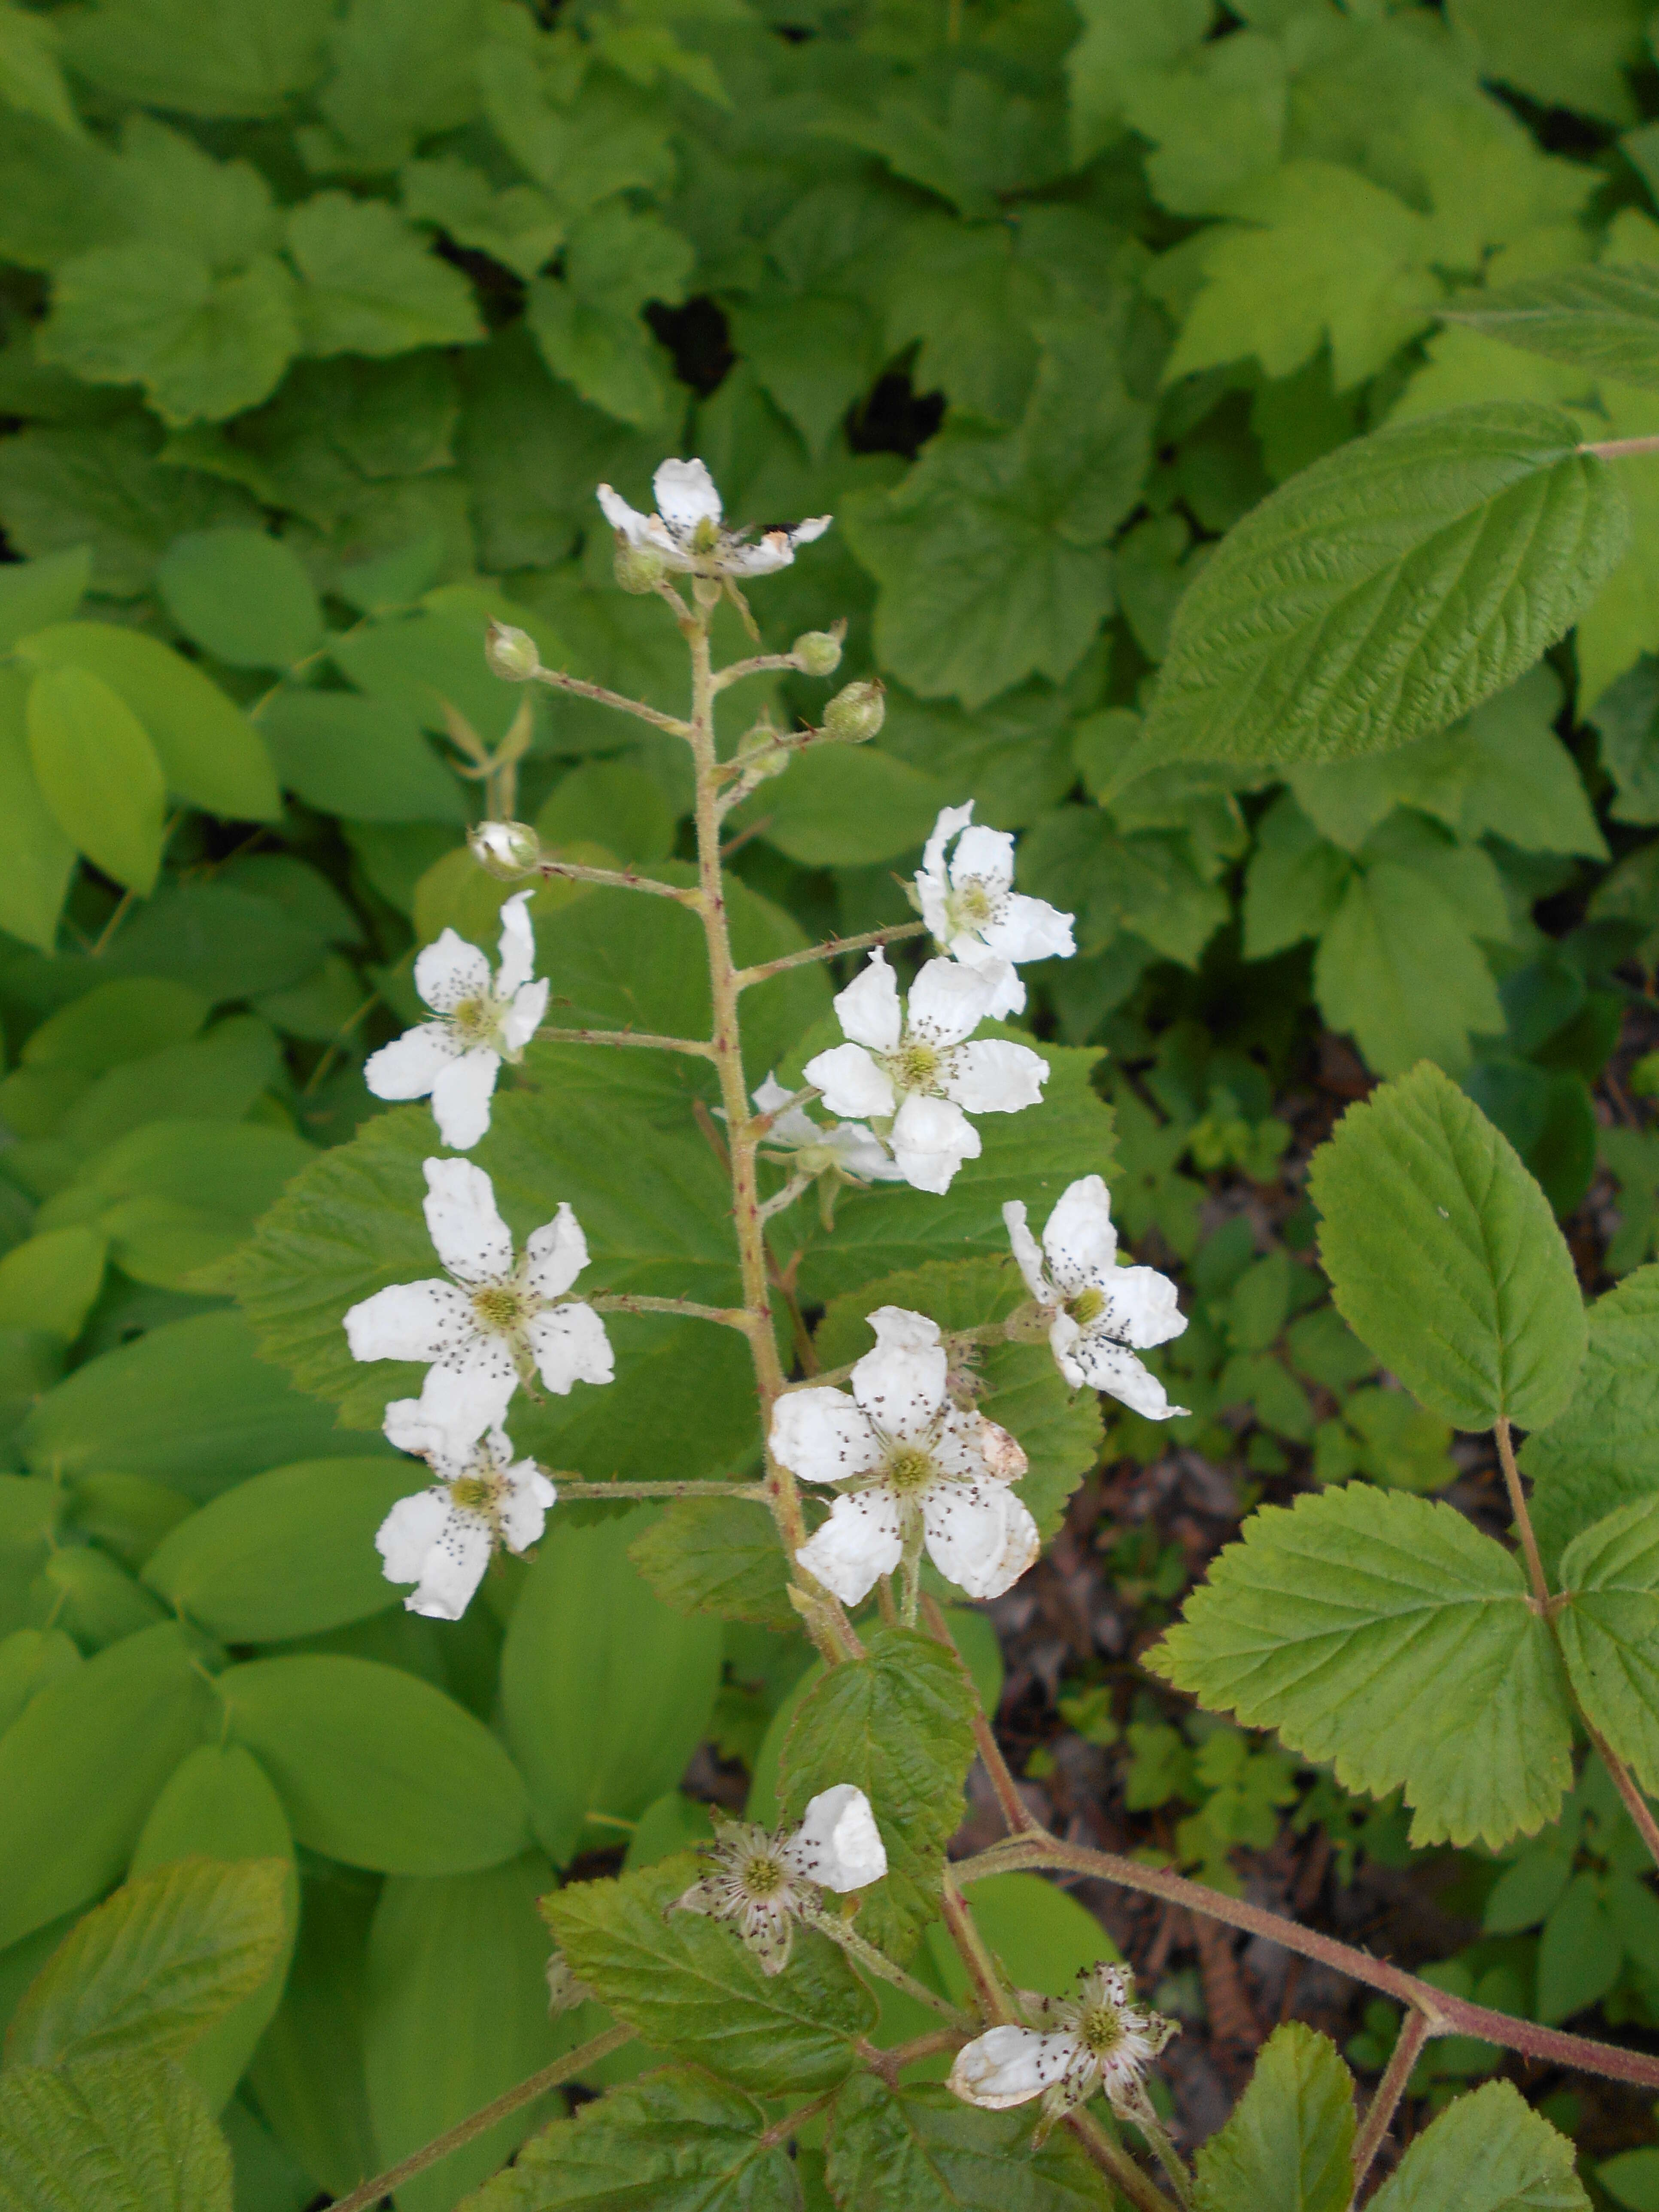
(473, 1492)
(705, 535)
(499, 1306)
(909, 1469)
(474, 1018)
(1101, 2029)
(916, 1067)
(973, 905)
(762, 1877)
(1087, 1306)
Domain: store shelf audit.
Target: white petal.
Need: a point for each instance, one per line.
(410, 1066)
(1079, 1239)
(934, 892)
(471, 1239)
(621, 516)
(1006, 993)
(524, 1507)
(850, 1080)
(517, 961)
(410, 1427)
(947, 1002)
(449, 971)
(571, 1347)
(857, 1545)
(951, 820)
(868, 1012)
(1103, 1366)
(982, 1540)
(464, 1397)
(523, 1017)
(931, 1140)
(1142, 1308)
(770, 1095)
(838, 1843)
(409, 1531)
(685, 495)
(901, 1384)
(984, 856)
(454, 1568)
(765, 558)
(990, 1075)
(461, 1096)
(859, 1151)
(556, 1254)
(1031, 929)
(410, 1320)
(1009, 2066)
(807, 532)
(1002, 1452)
(1027, 1252)
(821, 1436)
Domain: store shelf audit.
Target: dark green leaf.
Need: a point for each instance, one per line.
(1603, 1451)
(308, 2073)
(365, 758)
(922, 2150)
(243, 596)
(243, 59)
(115, 2133)
(371, 287)
(719, 1555)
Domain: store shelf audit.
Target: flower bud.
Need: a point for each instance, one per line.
(637, 569)
(762, 751)
(855, 714)
(817, 652)
(512, 653)
(507, 849)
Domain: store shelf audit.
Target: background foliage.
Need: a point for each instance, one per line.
(319, 321)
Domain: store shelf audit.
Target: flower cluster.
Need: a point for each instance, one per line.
(765, 1881)
(1097, 2039)
(910, 1469)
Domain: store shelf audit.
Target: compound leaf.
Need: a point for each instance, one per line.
(920, 2150)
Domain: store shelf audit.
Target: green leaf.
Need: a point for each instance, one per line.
(156, 1966)
(1295, 883)
(289, 1553)
(1389, 589)
(1043, 1937)
(838, 807)
(920, 2149)
(50, 1281)
(719, 1555)
(899, 1723)
(468, 1949)
(587, 323)
(243, 596)
(520, 226)
(243, 59)
(123, 2136)
(31, 81)
(691, 1989)
(203, 344)
(221, 1074)
(605, 1693)
(116, 1022)
(364, 758)
(371, 286)
(1399, 971)
(307, 2072)
(1386, 1634)
(1609, 1632)
(211, 754)
(35, 592)
(1289, 2140)
(991, 554)
(1603, 321)
(1487, 2153)
(97, 771)
(1573, 58)
(80, 1769)
(36, 858)
(1603, 1451)
(674, 2142)
(1444, 1257)
(376, 1768)
(1059, 1429)
(1581, 1949)
(189, 1404)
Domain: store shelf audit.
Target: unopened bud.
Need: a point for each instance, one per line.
(512, 653)
(818, 651)
(855, 713)
(637, 569)
(507, 849)
(762, 751)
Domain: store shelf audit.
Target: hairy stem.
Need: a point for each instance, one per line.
(556, 680)
(1446, 2014)
(1168, 2158)
(876, 1962)
(615, 880)
(781, 2131)
(756, 1491)
(1541, 1589)
(1015, 1810)
(759, 663)
(699, 1048)
(1414, 2031)
(829, 949)
(562, 2069)
(1109, 2155)
(994, 2004)
(1625, 1782)
(628, 1302)
(1615, 449)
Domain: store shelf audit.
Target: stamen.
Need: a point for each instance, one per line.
(500, 1307)
(909, 1469)
(1087, 1306)
(915, 1065)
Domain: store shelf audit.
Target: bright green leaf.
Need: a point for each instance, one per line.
(1386, 1634)
(243, 596)
(36, 858)
(1289, 2140)
(1487, 2153)
(1603, 1450)
(838, 806)
(98, 772)
(50, 1281)
(1609, 1632)
(1445, 1256)
(1603, 321)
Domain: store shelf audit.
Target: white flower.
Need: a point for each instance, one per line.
(915, 1068)
(441, 1539)
(912, 1468)
(499, 1321)
(481, 1022)
(687, 532)
(849, 1149)
(977, 915)
(1097, 2039)
(1098, 1309)
(765, 1882)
